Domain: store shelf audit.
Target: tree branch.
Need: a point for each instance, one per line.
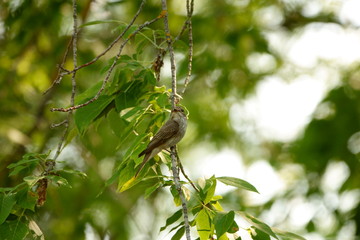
(66, 122)
(189, 9)
(63, 72)
(186, 176)
(179, 189)
(106, 79)
(174, 100)
(171, 51)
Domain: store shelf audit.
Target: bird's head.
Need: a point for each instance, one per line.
(178, 111)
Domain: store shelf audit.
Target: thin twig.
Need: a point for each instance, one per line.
(106, 79)
(55, 125)
(73, 90)
(75, 69)
(115, 41)
(179, 189)
(186, 176)
(61, 69)
(183, 172)
(173, 103)
(171, 51)
(62, 139)
(75, 33)
(190, 9)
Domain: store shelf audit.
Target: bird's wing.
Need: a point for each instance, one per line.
(168, 130)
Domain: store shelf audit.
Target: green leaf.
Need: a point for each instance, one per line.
(32, 180)
(72, 134)
(176, 196)
(257, 223)
(149, 77)
(287, 235)
(163, 100)
(126, 177)
(13, 189)
(173, 218)
(13, 230)
(98, 22)
(8, 189)
(130, 31)
(59, 180)
(129, 94)
(25, 199)
(179, 233)
(151, 189)
(117, 124)
(74, 172)
(88, 94)
(6, 204)
(86, 115)
(257, 234)
(18, 169)
(209, 190)
(23, 161)
(135, 145)
(236, 182)
(131, 112)
(177, 226)
(28, 162)
(203, 224)
(234, 228)
(223, 222)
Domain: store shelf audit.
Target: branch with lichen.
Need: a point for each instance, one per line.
(107, 77)
(175, 100)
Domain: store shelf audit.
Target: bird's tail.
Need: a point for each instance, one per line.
(142, 153)
(146, 158)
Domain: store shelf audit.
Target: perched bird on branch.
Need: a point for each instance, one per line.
(168, 135)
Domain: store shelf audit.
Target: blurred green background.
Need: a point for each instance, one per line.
(274, 99)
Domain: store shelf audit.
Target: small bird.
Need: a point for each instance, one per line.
(169, 135)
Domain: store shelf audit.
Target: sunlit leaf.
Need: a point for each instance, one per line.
(236, 182)
(175, 195)
(59, 180)
(126, 177)
(287, 235)
(209, 190)
(74, 172)
(257, 223)
(98, 22)
(187, 193)
(32, 180)
(203, 224)
(127, 185)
